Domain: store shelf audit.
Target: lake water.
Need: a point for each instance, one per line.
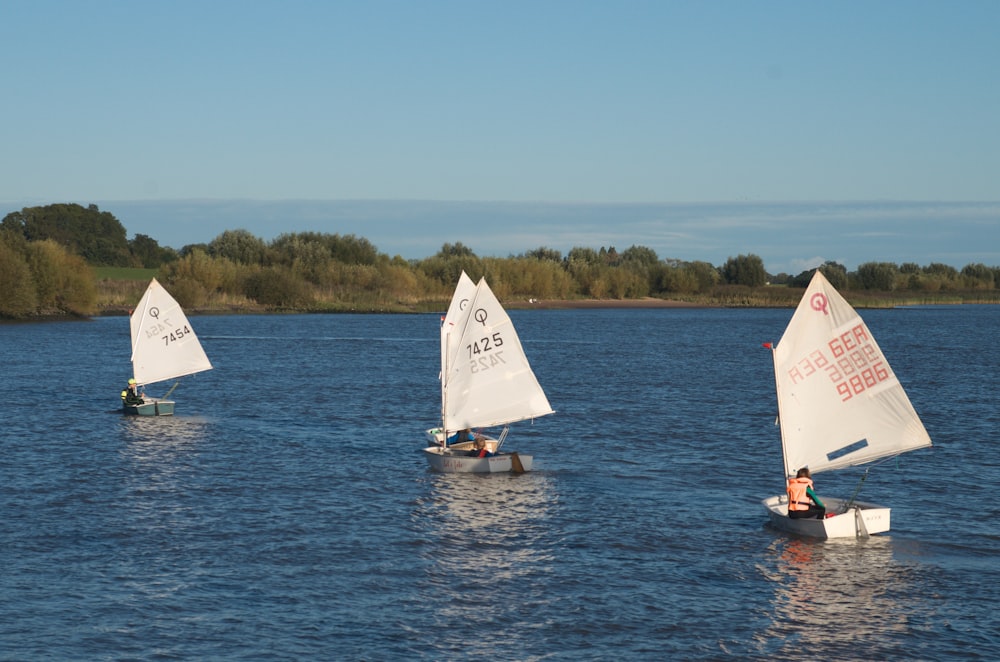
(286, 512)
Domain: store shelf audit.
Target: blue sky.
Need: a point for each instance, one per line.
(798, 131)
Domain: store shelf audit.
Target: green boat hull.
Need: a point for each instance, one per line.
(150, 408)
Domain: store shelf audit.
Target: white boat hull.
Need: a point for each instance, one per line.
(456, 459)
(861, 520)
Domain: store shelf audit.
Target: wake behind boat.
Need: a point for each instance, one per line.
(486, 381)
(164, 347)
(839, 405)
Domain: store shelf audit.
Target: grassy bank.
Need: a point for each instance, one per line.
(120, 289)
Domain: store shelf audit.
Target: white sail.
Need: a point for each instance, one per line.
(460, 300)
(839, 402)
(164, 346)
(488, 379)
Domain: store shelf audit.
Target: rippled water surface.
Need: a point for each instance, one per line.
(287, 513)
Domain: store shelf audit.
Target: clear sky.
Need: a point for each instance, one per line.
(186, 118)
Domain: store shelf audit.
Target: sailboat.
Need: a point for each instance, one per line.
(486, 381)
(839, 405)
(164, 347)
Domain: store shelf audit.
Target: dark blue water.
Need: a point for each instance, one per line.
(286, 513)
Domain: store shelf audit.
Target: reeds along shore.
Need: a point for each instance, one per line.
(120, 298)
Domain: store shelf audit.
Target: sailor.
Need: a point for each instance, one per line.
(130, 394)
(461, 436)
(479, 448)
(802, 501)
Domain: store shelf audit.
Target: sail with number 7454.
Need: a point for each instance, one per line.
(164, 347)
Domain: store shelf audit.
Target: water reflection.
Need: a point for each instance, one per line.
(490, 548)
(157, 438)
(834, 598)
(161, 512)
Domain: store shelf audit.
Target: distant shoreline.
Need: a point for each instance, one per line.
(645, 303)
(577, 304)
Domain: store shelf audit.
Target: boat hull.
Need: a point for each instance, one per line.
(455, 460)
(858, 521)
(151, 407)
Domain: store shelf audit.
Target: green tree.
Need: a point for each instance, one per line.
(704, 274)
(239, 246)
(458, 249)
(835, 272)
(17, 288)
(350, 249)
(96, 236)
(977, 277)
(147, 252)
(582, 255)
(586, 266)
(640, 256)
(744, 270)
(276, 287)
(543, 253)
(447, 265)
(880, 276)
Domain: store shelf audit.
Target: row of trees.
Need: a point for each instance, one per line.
(44, 260)
(43, 277)
(323, 271)
(96, 236)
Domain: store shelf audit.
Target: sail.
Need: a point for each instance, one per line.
(839, 402)
(464, 292)
(489, 381)
(164, 346)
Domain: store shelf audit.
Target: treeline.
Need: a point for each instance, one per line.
(98, 237)
(46, 255)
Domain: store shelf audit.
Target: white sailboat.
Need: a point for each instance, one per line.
(839, 405)
(486, 381)
(164, 347)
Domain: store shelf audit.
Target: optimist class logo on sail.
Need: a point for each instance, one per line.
(165, 328)
(485, 353)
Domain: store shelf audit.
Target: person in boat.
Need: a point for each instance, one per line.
(462, 436)
(802, 501)
(130, 395)
(479, 448)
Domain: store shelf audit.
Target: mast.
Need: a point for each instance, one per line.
(781, 428)
(444, 387)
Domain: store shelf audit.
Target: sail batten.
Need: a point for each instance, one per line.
(839, 402)
(164, 345)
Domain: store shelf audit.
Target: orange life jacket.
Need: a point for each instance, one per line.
(798, 499)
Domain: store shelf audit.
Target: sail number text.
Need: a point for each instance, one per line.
(485, 353)
(851, 361)
(176, 334)
(164, 329)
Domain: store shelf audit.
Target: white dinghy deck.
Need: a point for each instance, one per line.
(839, 405)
